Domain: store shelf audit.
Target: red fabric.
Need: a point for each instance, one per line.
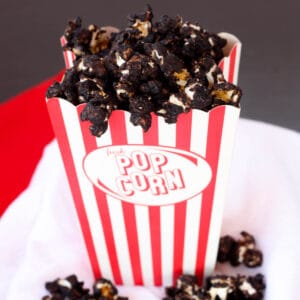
(25, 129)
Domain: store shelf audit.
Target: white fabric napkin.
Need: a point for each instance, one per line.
(41, 240)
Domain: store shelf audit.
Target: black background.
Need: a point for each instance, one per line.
(269, 31)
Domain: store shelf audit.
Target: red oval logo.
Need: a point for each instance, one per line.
(147, 175)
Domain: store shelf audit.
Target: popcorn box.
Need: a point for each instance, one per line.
(150, 204)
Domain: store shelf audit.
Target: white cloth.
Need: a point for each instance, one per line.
(41, 240)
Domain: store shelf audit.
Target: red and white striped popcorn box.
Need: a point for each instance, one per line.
(150, 204)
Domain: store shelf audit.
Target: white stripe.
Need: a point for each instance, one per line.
(227, 141)
(135, 136)
(167, 137)
(166, 133)
(226, 67)
(143, 231)
(120, 238)
(88, 195)
(134, 133)
(193, 212)
(237, 63)
(167, 243)
(199, 131)
(193, 209)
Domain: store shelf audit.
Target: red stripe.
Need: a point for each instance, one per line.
(183, 131)
(90, 145)
(183, 140)
(215, 126)
(154, 216)
(108, 235)
(133, 244)
(179, 229)
(232, 62)
(117, 125)
(61, 135)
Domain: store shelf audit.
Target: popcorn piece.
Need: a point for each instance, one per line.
(99, 40)
(181, 77)
(202, 294)
(68, 85)
(68, 288)
(173, 67)
(91, 66)
(170, 38)
(186, 288)
(181, 101)
(142, 23)
(140, 104)
(89, 40)
(187, 284)
(78, 38)
(88, 89)
(195, 40)
(105, 288)
(138, 68)
(198, 42)
(226, 93)
(239, 252)
(253, 258)
(140, 108)
(123, 53)
(251, 287)
(217, 43)
(55, 90)
(221, 287)
(111, 66)
(171, 292)
(151, 87)
(241, 247)
(143, 120)
(198, 94)
(207, 68)
(167, 25)
(175, 105)
(227, 243)
(124, 90)
(97, 115)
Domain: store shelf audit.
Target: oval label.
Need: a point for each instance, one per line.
(147, 175)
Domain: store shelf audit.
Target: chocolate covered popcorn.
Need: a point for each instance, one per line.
(166, 67)
(242, 251)
(72, 289)
(218, 287)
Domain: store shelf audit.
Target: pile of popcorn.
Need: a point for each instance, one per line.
(70, 288)
(166, 67)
